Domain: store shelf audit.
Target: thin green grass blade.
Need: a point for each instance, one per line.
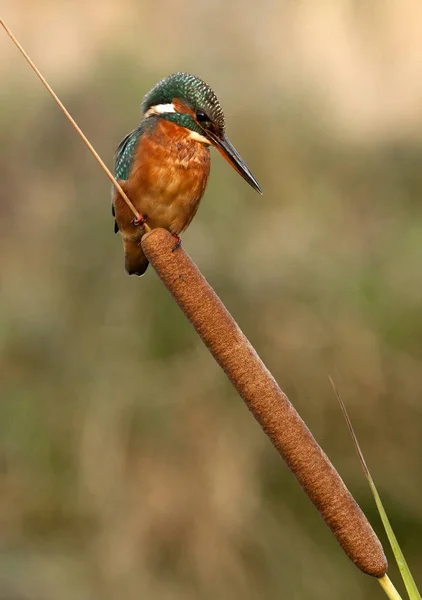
(408, 580)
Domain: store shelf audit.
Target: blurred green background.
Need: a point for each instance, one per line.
(129, 467)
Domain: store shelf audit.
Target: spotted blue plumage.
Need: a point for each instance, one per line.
(123, 158)
(193, 92)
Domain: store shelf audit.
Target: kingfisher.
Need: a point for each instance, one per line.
(163, 164)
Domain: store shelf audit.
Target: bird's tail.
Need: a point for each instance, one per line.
(136, 262)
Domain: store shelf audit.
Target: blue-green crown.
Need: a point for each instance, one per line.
(192, 91)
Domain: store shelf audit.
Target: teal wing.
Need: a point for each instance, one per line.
(123, 159)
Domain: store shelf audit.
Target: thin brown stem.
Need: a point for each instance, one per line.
(72, 121)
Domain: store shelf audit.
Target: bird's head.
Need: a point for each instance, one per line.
(191, 103)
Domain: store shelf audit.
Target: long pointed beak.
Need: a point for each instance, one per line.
(226, 149)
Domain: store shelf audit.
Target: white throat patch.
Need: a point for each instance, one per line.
(160, 109)
(199, 138)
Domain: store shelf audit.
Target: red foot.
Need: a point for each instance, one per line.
(178, 242)
(139, 220)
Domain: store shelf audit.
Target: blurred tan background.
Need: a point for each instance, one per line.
(129, 468)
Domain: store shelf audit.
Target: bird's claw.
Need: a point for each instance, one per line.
(139, 221)
(178, 242)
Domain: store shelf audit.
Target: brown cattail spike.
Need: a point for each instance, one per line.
(269, 405)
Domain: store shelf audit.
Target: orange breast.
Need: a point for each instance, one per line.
(169, 176)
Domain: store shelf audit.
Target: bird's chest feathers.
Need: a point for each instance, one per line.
(167, 159)
(169, 176)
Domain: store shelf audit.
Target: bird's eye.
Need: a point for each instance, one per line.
(201, 117)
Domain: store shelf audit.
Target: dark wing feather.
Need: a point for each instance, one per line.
(123, 159)
(113, 212)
